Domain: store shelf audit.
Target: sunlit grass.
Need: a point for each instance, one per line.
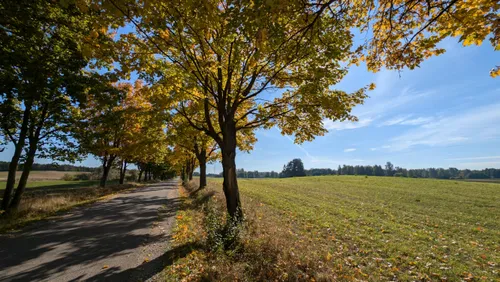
(380, 228)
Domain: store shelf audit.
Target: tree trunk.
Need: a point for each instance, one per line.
(183, 174)
(14, 205)
(106, 167)
(191, 169)
(202, 159)
(140, 175)
(123, 170)
(230, 184)
(11, 178)
(146, 174)
(34, 138)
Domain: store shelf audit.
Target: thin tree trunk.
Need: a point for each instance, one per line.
(34, 138)
(230, 184)
(14, 205)
(123, 170)
(202, 159)
(146, 174)
(183, 174)
(106, 168)
(14, 162)
(191, 169)
(140, 175)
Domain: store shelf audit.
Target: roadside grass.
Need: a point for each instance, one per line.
(348, 228)
(43, 200)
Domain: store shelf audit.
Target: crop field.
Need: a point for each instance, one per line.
(41, 175)
(381, 228)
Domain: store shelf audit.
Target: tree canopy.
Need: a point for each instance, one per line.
(42, 80)
(212, 71)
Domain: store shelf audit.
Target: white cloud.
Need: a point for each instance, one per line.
(329, 124)
(405, 120)
(386, 98)
(381, 147)
(472, 126)
(417, 121)
(394, 121)
(349, 150)
(474, 158)
(390, 101)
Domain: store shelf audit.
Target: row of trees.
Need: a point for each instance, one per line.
(441, 173)
(59, 100)
(295, 168)
(208, 68)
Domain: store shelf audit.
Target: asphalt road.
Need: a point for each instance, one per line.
(125, 238)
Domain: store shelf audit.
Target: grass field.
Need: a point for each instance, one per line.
(41, 175)
(370, 229)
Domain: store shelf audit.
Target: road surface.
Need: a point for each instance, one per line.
(121, 239)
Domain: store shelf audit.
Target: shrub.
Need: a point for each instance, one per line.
(82, 176)
(132, 176)
(67, 177)
(223, 233)
(398, 174)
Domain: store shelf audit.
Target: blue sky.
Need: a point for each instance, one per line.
(444, 114)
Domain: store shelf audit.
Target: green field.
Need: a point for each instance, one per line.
(391, 228)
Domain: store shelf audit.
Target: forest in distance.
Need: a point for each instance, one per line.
(296, 168)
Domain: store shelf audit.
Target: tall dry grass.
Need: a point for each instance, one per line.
(268, 247)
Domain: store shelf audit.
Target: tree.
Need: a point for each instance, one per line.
(389, 169)
(221, 57)
(294, 168)
(182, 134)
(114, 124)
(102, 128)
(224, 56)
(41, 81)
(378, 171)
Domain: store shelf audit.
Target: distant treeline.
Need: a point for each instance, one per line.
(294, 168)
(440, 173)
(4, 166)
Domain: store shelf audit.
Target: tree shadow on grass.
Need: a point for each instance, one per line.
(200, 197)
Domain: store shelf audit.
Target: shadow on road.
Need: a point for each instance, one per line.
(102, 231)
(147, 269)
